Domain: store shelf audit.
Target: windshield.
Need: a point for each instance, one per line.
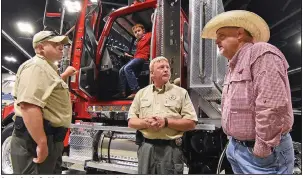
(119, 26)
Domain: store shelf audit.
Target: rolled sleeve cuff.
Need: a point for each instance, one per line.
(131, 116)
(191, 118)
(33, 101)
(261, 149)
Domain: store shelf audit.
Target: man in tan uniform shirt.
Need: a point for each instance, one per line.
(162, 112)
(43, 108)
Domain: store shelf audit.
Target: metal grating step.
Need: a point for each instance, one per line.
(113, 167)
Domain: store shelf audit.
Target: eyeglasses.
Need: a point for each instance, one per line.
(51, 34)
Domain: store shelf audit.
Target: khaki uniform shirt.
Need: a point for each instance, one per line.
(171, 100)
(38, 83)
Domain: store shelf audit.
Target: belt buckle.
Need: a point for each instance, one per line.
(178, 141)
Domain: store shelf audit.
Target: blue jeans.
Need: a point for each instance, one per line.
(281, 161)
(127, 74)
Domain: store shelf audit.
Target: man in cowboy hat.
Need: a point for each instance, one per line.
(43, 108)
(256, 102)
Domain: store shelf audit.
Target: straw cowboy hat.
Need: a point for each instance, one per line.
(251, 22)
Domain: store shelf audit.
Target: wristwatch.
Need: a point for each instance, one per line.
(166, 122)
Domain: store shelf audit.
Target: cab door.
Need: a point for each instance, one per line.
(79, 26)
(84, 51)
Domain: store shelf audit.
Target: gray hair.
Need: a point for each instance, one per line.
(157, 59)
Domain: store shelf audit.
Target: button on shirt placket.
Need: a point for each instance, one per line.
(156, 103)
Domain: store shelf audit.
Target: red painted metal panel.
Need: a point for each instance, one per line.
(77, 49)
(7, 110)
(120, 12)
(80, 109)
(52, 14)
(66, 139)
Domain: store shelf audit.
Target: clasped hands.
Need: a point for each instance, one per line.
(154, 123)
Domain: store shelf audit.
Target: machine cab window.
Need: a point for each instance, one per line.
(119, 41)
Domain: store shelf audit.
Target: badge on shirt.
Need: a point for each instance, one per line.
(172, 97)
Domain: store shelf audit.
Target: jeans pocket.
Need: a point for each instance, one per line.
(139, 148)
(268, 161)
(167, 168)
(178, 168)
(173, 168)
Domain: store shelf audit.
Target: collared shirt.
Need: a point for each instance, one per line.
(143, 47)
(38, 83)
(256, 101)
(171, 100)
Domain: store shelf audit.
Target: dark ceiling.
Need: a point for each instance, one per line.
(283, 16)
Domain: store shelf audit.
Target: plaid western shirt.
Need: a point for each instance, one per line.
(256, 101)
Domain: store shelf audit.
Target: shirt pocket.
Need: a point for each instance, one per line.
(241, 124)
(241, 90)
(145, 107)
(172, 105)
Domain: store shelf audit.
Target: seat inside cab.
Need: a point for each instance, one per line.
(120, 40)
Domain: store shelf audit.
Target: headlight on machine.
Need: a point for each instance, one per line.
(98, 108)
(89, 109)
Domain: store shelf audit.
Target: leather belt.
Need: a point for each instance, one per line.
(177, 141)
(58, 132)
(250, 144)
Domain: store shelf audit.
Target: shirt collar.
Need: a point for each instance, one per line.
(48, 61)
(239, 54)
(164, 88)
